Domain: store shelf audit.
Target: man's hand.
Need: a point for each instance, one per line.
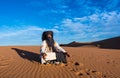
(67, 54)
(44, 55)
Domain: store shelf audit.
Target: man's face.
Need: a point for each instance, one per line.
(49, 36)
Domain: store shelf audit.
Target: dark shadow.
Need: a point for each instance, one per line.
(31, 56)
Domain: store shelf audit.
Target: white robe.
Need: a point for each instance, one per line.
(45, 48)
(50, 54)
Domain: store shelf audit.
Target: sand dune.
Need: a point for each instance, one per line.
(85, 62)
(111, 43)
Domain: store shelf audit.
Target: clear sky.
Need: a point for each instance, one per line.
(23, 21)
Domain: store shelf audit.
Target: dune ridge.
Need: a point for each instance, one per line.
(111, 43)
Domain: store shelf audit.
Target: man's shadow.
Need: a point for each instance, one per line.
(31, 56)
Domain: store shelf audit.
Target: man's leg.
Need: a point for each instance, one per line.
(61, 57)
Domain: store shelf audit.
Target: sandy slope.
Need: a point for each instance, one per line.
(85, 62)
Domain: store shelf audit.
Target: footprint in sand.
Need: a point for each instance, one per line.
(81, 71)
(89, 73)
(76, 64)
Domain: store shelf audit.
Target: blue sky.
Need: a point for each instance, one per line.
(23, 21)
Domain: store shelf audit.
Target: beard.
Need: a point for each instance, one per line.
(50, 42)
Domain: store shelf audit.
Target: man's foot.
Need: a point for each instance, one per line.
(57, 63)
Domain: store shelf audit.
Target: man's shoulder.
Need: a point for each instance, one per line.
(44, 42)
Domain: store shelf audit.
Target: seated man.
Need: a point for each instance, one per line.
(49, 45)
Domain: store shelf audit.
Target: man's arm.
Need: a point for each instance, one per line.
(61, 49)
(43, 49)
(58, 47)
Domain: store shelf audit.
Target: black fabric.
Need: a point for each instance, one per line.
(50, 43)
(61, 57)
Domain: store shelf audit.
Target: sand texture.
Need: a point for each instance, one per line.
(85, 62)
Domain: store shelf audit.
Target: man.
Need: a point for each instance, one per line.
(50, 45)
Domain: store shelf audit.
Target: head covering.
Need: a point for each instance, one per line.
(45, 33)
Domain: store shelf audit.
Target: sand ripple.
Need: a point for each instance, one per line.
(24, 63)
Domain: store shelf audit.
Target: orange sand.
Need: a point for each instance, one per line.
(85, 62)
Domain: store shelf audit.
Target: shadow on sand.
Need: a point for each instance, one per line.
(31, 56)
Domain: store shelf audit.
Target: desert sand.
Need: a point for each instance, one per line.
(85, 62)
